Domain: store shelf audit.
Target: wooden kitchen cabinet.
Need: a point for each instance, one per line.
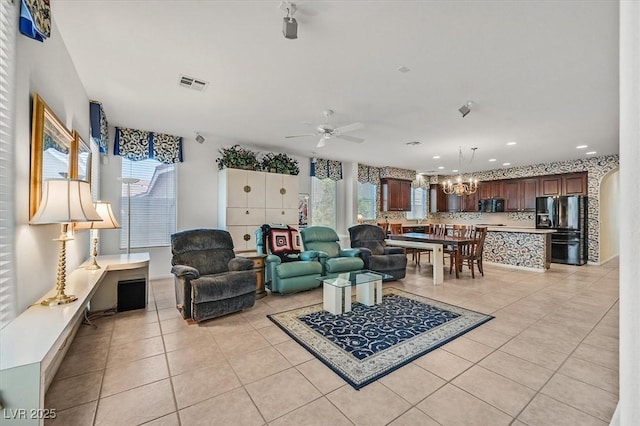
(396, 195)
(520, 194)
(550, 186)
(469, 203)
(490, 189)
(574, 184)
(438, 200)
(565, 184)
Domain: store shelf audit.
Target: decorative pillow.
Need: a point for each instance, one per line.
(280, 241)
(296, 240)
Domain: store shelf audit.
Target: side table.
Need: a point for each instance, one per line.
(258, 266)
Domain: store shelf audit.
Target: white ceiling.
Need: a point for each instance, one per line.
(541, 73)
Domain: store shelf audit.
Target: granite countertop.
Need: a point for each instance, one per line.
(522, 229)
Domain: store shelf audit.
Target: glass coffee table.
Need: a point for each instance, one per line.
(336, 289)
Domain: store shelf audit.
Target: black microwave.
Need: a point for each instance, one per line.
(491, 205)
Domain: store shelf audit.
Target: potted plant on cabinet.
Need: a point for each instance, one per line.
(237, 157)
(280, 163)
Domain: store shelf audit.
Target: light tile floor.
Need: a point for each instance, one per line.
(549, 357)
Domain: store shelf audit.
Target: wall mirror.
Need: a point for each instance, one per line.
(81, 160)
(51, 150)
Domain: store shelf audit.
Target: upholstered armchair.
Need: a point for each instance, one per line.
(375, 254)
(324, 241)
(287, 269)
(210, 281)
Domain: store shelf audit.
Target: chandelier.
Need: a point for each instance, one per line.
(461, 186)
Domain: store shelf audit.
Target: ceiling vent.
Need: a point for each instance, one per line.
(193, 83)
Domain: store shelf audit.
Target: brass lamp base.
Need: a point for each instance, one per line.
(93, 265)
(94, 252)
(59, 300)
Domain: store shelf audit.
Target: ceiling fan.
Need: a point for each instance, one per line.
(326, 131)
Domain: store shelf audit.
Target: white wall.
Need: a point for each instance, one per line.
(610, 216)
(45, 68)
(197, 193)
(628, 410)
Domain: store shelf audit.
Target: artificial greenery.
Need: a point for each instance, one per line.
(237, 157)
(280, 163)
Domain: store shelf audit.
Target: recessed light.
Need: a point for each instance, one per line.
(511, 143)
(492, 159)
(455, 170)
(591, 152)
(581, 146)
(506, 164)
(441, 167)
(403, 69)
(435, 157)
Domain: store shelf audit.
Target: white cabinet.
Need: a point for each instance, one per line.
(281, 199)
(244, 188)
(248, 199)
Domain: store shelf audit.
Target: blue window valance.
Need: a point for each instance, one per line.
(323, 169)
(99, 127)
(368, 174)
(35, 19)
(139, 145)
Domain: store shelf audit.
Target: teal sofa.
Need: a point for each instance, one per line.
(323, 241)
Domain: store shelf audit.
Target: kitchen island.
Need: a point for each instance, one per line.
(528, 248)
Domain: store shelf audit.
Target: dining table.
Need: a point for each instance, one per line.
(435, 243)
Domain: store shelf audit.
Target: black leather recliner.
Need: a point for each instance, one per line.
(376, 255)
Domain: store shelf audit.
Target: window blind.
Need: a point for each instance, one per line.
(8, 24)
(153, 203)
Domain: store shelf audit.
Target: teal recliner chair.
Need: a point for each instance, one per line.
(287, 270)
(324, 241)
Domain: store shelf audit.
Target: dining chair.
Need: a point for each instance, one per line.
(457, 231)
(395, 228)
(428, 229)
(472, 253)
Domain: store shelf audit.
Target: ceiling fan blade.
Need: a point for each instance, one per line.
(321, 142)
(299, 136)
(349, 127)
(350, 138)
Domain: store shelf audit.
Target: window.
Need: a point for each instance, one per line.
(323, 202)
(153, 203)
(418, 204)
(367, 200)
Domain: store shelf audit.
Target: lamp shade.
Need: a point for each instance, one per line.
(65, 200)
(108, 221)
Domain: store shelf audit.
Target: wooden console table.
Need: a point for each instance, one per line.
(35, 342)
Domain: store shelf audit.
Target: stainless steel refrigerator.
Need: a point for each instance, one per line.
(568, 216)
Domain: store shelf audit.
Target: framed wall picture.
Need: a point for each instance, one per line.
(303, 210)
(51, 151)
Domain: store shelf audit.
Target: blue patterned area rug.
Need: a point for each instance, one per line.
(372, 341)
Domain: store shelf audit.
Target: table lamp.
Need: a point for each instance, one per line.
(108, 222)
(64, 201)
